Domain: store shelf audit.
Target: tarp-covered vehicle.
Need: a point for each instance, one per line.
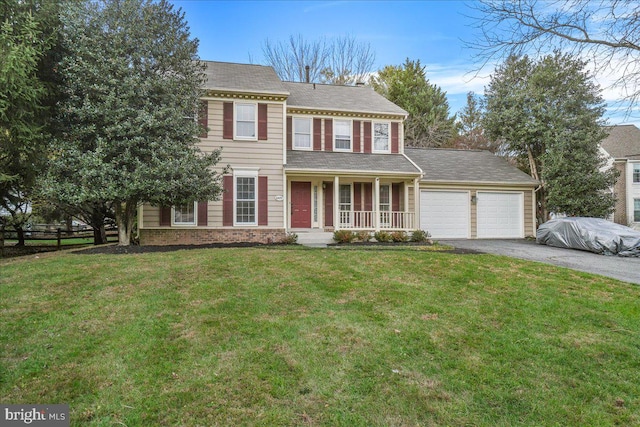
(590, 234)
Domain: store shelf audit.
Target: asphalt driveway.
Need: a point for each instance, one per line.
(621, 268)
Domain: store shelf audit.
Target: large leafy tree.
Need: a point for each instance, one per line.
(27, 38)
(429, 123)
(549, 113)
(132, 82)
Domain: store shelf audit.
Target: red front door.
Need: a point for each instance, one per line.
(300, 204)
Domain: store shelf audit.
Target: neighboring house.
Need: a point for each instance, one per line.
(307, 157)
(622, 148)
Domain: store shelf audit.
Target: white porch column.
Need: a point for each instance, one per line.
(336, 203)
(406, 196)
(376, 205)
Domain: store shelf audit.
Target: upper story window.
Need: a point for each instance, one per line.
(342, 135)
(636, 173)
(185, 214)
(246, 121)
(302, 133)
(381, 137)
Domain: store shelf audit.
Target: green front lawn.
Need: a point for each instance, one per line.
(293, 336)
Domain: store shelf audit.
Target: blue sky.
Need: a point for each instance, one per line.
(431, 31)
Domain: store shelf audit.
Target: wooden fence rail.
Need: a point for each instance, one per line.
(47, 235)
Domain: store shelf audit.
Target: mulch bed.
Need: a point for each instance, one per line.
(112, 249)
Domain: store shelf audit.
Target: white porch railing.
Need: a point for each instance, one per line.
(365, 220)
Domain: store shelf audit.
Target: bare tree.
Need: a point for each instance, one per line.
(290, 58)
(342, 60)
(606, 32)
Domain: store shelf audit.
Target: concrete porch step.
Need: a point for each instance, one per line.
(314, 239)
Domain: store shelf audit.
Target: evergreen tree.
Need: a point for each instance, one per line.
(549, 115)
(471, 133)
(27, 36)
(132, 81)
(428, 124)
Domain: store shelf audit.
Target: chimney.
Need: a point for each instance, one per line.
(306, 73)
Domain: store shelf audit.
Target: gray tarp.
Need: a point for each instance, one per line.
(590, 234)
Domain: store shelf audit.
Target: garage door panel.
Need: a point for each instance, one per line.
(445, 214)
(500, 215)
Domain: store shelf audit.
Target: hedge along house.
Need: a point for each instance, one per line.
(311, 158)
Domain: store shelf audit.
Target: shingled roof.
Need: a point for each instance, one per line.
(323, 161)
(623, 142)
(357, 99)
(248, 78)
(466, 166)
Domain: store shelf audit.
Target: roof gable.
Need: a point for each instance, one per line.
(623, 141)
(247, 78)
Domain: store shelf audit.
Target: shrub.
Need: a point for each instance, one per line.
(363, 236)
(344, 236)
(383, 236)
(420, 236)
(399, 236)
(290, 239)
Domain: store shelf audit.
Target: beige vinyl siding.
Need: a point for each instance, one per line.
(266, 155)
(473, 212)
(150, 215)
(529, 214)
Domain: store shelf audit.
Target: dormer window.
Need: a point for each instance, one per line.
(381, 137)
(342, 135)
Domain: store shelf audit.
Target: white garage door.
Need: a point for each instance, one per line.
(445, 214)
(500, 215)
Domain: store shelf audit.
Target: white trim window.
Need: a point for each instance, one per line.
(185, 214)
(302, 131)
(381, 139)
(246, 121)
(342, 135)
(636, 210)
(636, 173)
(245, 205)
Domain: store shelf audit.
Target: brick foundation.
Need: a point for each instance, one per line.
(203, 236)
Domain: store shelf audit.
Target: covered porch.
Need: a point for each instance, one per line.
(351, 191)
(351, 203)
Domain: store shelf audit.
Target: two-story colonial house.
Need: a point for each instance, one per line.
(308, 157)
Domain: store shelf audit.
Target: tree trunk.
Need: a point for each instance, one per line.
(99, 234)
(20, 234)
(125, 219)
(69, 225)
(121, 222)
